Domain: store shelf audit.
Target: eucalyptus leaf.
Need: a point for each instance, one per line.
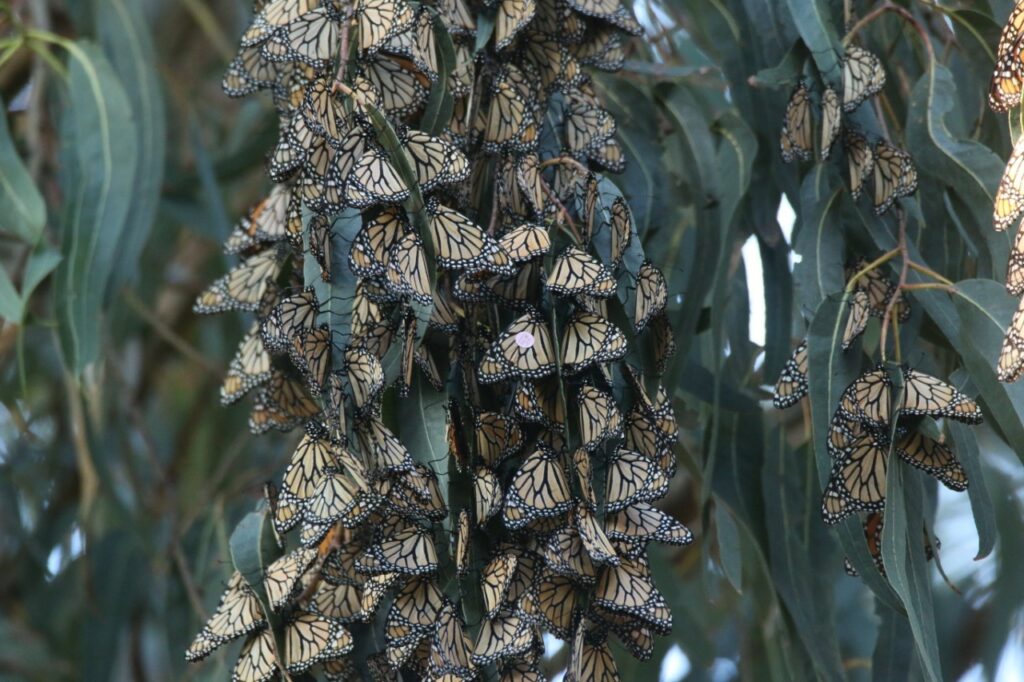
(21, 204)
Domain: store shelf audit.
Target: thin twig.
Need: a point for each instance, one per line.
(924, 270)
(188, 581)
(887, 318)
(168, 334)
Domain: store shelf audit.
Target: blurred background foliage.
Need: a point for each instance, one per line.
(123, 167)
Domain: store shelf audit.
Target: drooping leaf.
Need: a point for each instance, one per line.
(20, 202)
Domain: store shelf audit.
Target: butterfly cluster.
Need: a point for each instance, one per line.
(877, 416)
(862, 432)
(889, 169)
(1005, 94)
(490, 265)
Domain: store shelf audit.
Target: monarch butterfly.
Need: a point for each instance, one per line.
(312, 458)
(538, 490)
(555, 597)
(831, 121)
(337, 498)
(379, 20)
(599, 418)
(410, 552)
(507, 635)
(664, 342)
(508, 123)
(863, 77)
(860, 160)
(414, 612)
(286, 319)
(311, 39)
(513, 16)
(407, 272)
(450, 649)
(602, 49)
(495, 579)
(337, 601)
(894, 176)
(537, 403)
(582, 469)
(880, 290)
(595, 541)
(311, 353)
(461, 543)
(633, 478)
(525, 242)
(651, 295)
(552, 60)
(795, 140)
(238, 613)
(590, 658)
(368, 256)
(628, 588)
(320, 245)
(243, 286)
(487, 496)
(248, 369)
(873, 525)
(281, 404)
(435, 161)
(323, 114)
(934, 458)
(640, 523)
(374, 590)
(365, 377)
(1005, 88)
(257, 661)
(1010, 366)
(868, 399)
(248, 72)
(857, 321)
(381, 446)
(458, 19)
(924, 394)
(622, 231)
(373, 180)
(576, 272)
(459, 243)
(1009, 202)
(447, 312)
(310, 638)
(265, 222)
(857, 481)
(497, 437)
(564, 554)
(587, 126)
(612, 12)
(1015, 267)
(414, 495)
(282, 579)
(523, 349)
(589, 338)
(417, 44)
(396, 89)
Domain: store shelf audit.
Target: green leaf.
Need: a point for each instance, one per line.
(965, 445)
(818, 29)
(890, 662)
(11, 307)
(819, 242)
(422, 420)
(441, 103)
(796, 538)
(904, 557)
(986, 309)
(99, 164)
(126, 40)
(21, 205)
(729, 550)
(40, 264)
(253, 546)
(968, 168)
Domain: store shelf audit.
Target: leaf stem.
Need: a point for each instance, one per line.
(873, 265)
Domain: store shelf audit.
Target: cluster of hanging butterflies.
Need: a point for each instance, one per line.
(485, 266)
(1005, 94)
(889, 169)
(877, 415)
